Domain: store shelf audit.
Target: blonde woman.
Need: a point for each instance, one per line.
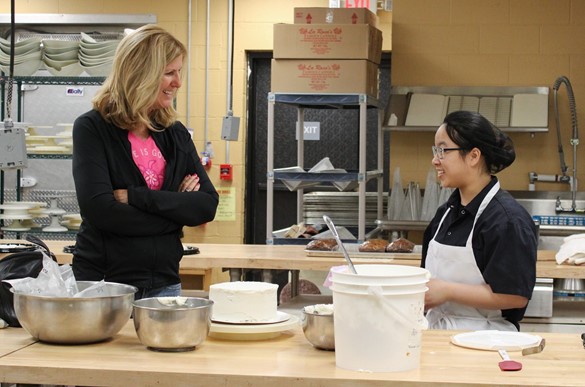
(137, 173)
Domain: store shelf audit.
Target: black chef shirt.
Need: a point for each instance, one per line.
(504, 242)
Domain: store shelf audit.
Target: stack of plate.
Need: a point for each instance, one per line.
(54, 212)
(96, 57)
(341, 206)
(21, 214)
(36, 211)
(67, 134)
(27, 56)
(48, 144)
(71, 221)
(61, 57)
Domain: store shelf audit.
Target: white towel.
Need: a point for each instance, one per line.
(572, 251)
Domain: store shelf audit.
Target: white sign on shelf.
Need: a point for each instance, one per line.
(311, 131)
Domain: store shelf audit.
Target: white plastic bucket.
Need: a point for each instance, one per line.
(363, 289)
(378, 327)
(379, 274)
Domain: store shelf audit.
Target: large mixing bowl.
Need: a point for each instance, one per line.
(318, 326)
(72, 320)
(172, 324)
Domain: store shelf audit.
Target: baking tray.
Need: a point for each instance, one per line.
(352, 250)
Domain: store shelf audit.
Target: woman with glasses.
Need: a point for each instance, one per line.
(480, 247)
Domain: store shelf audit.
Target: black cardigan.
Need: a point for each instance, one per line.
(136, 243)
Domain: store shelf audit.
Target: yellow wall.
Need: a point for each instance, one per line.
(496, 43)
(433, 42)
(254, 21)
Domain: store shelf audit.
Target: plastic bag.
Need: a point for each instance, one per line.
(431, 197)
(18, 265)
(412, 203)
(50, 281)
(396, 199)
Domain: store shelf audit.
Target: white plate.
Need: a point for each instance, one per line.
(493, 340)
(75, 217)
(280, 317)
(71, 226)
(17, 206)
(48, 137)
(251, 332)
(54, 211)
(15, 229)
(53, 228)
(49, 149)
(16, 216)
(31, 204)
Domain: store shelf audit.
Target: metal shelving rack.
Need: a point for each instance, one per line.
(38, 80)
(57, 23)
(399, 103)
(363, 102)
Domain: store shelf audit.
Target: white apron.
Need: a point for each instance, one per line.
(457, 264)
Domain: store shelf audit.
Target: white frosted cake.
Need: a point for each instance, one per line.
(243, 302)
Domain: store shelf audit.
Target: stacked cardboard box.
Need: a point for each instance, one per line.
(335, 15)
(327, 50)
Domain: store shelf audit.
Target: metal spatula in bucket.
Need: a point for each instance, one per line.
(331, 226)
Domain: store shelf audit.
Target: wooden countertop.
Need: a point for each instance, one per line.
(293, 257)
(287, 360)
(12, 339)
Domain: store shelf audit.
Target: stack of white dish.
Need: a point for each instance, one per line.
(60, 143)
(96, 57)
(61, 57)
(20, 215)
(54, 212)
(27, 56)
(67, 134)
(36, 211)
(71, 221)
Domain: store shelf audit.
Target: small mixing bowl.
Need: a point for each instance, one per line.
(317, 323)
(75, 320)
(172, 324)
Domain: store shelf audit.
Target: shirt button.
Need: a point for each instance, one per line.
(462, 212)
(449, 233)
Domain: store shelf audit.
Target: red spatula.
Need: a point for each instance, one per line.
(508, 364)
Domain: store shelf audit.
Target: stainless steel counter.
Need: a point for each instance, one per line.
(568, 317)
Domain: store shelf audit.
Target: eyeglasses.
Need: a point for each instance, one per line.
(439, 152)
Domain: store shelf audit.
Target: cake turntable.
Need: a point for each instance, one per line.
(251, 332)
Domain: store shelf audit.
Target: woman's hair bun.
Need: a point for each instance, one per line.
(472, 130)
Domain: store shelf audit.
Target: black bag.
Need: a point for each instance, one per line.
(19, 265)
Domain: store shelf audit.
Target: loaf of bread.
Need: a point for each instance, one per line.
(373, 246)
(322, 245)
(400, 245)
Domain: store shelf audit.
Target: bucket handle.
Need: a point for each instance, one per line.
(405, 319)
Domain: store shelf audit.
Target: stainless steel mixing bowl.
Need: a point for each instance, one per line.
(319, 329)
(71, 320)
(172, 324)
